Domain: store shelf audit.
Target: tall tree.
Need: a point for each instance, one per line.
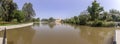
(113, 11)
(105, 16)
(94, 10)
(19, 16)
(29, 11)
(115, 14)
(8, 7)
(51, 19)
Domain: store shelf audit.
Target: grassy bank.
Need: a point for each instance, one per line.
(96, 23)
(100, 24)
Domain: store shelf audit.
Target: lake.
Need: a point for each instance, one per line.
(60, 34)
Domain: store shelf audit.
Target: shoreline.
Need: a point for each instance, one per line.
(15, 26)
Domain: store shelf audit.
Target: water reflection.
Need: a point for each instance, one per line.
(57, 35)
(95, 35)
(36, 24)
(20, 36)
(60, 34)
(51, 25)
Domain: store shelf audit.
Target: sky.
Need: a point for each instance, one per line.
(65, 8)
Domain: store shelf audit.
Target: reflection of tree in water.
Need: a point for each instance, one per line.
(36, 24)
(20, 36)
(44, 24)
(1, 33)
(96, 35)
(51, 25)
(73, 25)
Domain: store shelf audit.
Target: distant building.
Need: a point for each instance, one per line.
(58, 20)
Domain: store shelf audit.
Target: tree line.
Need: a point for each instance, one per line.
(95, 15)
(9, 12)
(51, 19)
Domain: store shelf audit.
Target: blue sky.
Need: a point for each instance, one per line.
(65, 8)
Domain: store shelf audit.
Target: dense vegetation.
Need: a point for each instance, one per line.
(95, 15)
(51, 19)
(10, 13)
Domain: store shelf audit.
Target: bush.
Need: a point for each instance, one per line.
(82, 22)
(14, 20)
(89, 23)
(97, 23)
(83, 19)
(109, 24)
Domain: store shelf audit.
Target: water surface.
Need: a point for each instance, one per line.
(60, 34)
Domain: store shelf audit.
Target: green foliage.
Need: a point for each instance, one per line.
(19, 15)
(89, 23)
(97, 23)
(36, 19)
(29, 11)
(115, 14)
(95, 17)
(44, 20)
(1, 11)
(8, 7)
(14, 20)
(94, 10)
(105, 16)
(83, 19)
(113, 11)
(109, 24)
(51, 19)
(9, 12)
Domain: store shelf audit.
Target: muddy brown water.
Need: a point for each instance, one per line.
(60, 34)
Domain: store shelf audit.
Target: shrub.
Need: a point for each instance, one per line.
(109, 24)
(89, 23)
(97, 23)
(83, 19)
(14, 20)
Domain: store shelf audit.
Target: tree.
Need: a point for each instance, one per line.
(19, 16)
(8, 6)
(115, 14)
(44, 19)
(83, 19)
(51, 19)
(36, 19)
(104, 16)
(75, 19)
(1, 11)
(94, 10)
(113, 11)
(29, 11)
